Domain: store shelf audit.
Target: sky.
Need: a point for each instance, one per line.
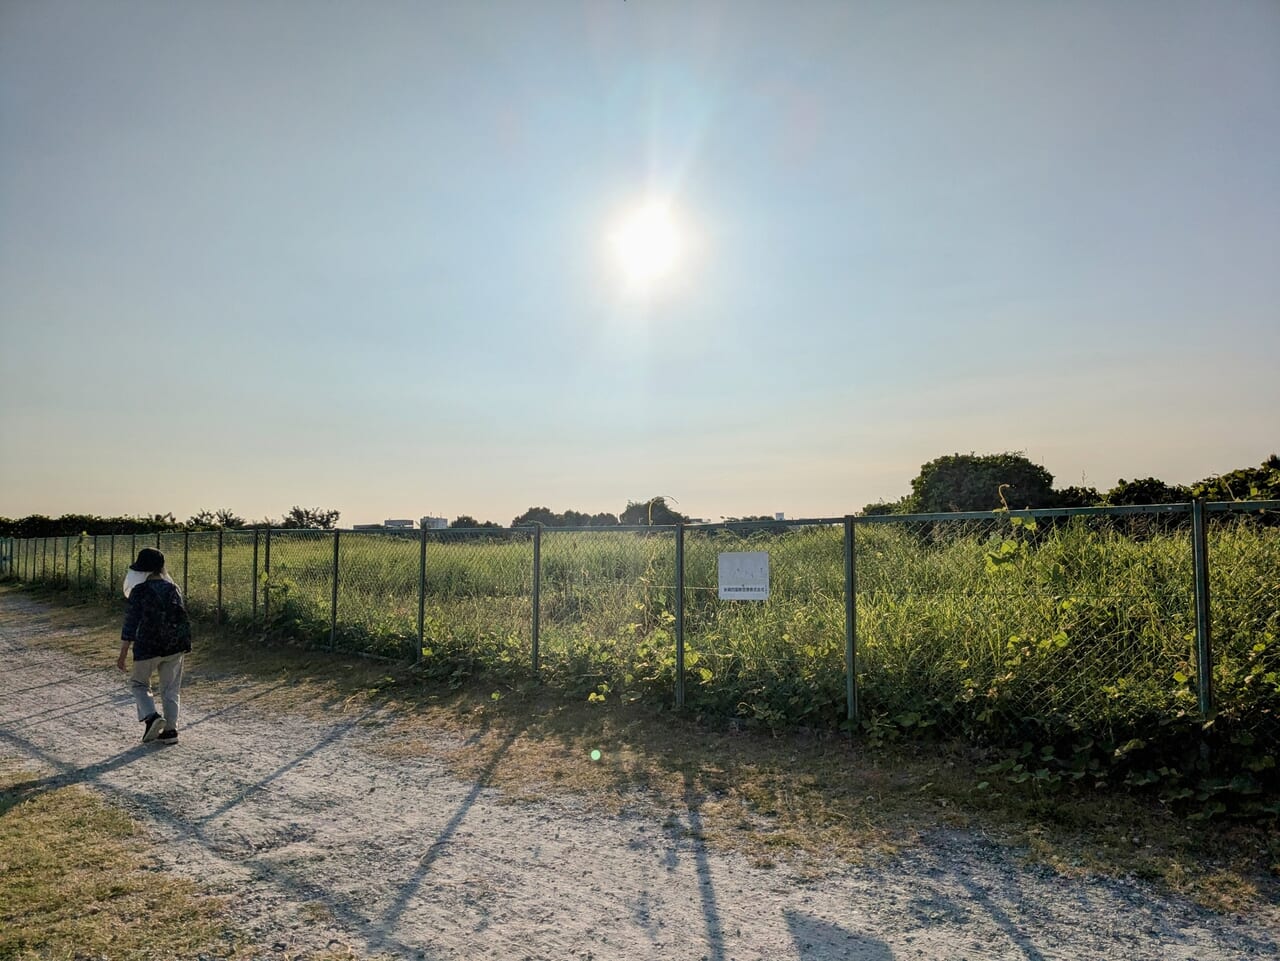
(363, 255)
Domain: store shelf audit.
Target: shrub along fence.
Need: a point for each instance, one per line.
(1085, 633)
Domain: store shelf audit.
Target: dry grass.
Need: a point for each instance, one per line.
(76, 881)
(803, 799)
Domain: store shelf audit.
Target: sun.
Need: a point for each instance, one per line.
(648, 243)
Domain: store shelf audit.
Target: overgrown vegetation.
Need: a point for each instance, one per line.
(1065, 648)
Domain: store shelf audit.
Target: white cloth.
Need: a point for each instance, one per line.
(133, 578)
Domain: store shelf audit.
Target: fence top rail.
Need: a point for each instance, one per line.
(770, 525)
(596, 528)
(1112, 511)
(1219, 506)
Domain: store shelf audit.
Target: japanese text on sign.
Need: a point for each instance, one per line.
(744, 576)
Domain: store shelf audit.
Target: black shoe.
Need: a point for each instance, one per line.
(168, 737)
(154, 723)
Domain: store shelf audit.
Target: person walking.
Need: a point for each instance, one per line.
(158, 628)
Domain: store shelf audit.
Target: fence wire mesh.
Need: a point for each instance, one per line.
(1081, 622)
(298, 584)
(606, 598)
(478, 602)
(1244, 604)
(378, 581)
(1085, 621)
(781, 658)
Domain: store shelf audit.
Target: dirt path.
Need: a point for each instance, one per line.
(326, 844)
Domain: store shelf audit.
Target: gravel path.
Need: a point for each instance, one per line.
(325, 844)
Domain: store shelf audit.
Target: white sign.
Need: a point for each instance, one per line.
(744, 576)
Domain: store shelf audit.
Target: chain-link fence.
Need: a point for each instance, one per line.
(780, 658)
(477, 602)
(1096, 618)
(606, 598)
(1243, 561)
(1082, 621)
(377, 592)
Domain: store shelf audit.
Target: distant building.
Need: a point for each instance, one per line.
(433, 523)
(398, 525)
(366, 527)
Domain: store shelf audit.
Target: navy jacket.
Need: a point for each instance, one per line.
(156, 621)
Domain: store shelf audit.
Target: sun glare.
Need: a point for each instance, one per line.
(647, 243)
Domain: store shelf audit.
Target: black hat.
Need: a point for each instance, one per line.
(149, 561)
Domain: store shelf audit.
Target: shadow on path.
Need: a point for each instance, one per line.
(824, 941)
(67, 775)
(1016, 934)
(57, 682)
(61, 711)
(295, 889)
(335, 734)
(236, 705)
(706, 888)
(438, 847)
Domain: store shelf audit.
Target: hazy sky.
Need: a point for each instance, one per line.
(357, 255)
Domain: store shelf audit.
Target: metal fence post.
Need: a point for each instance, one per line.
(111, 574)
(266, 578)
(1204, 647)
(537, 590)
(333, 606)
(218, 616)
(254, 589)
(80, 563)
(850, 623)
(186, 559)
(679, 615)
(422, 594)
(133, 547)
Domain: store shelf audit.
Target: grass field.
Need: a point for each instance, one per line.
(1075, 636)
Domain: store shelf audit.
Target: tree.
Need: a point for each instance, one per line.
(201, 520)
(1078, 497)
(1149, 490)
(541, 516)
(467, 521)
(652, 511)
(208, 520)
(980, 482)
(886, 507)
(309, 518)
(225, 518)
(1247, 483)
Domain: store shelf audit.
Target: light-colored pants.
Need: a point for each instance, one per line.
(170, 668)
